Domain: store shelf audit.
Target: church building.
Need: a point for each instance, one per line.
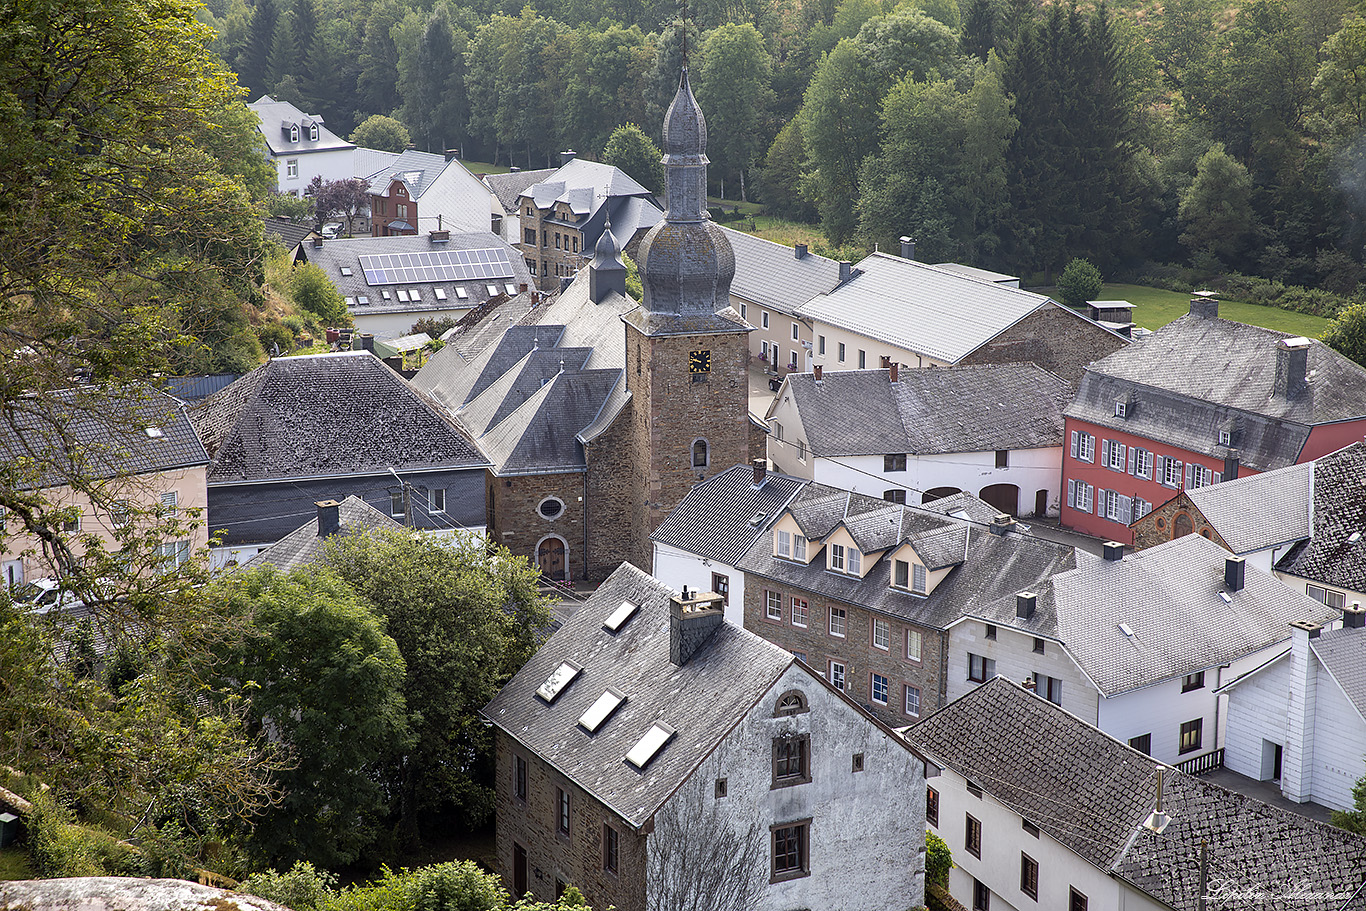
(598, 413)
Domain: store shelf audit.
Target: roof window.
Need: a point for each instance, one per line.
(154, 433)
(386, 295)
(510, 288)
(649, 746)
(557, 681)
(617, 619)
(350, 301)
(462, 293)
(403, 294)
(601, 710)
(492, 289)
(346, 271)
(362, 300)
(440, 293)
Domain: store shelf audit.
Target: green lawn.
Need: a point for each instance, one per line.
(483, 167)
(14, 864)
(1154, 307)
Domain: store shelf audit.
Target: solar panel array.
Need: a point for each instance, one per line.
(436, 266)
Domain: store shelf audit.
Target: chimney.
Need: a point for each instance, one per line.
(799, 250)
(1233, 573)
(521, 288)
(1112, 551)
(1231, 465)
(317, 243)
(1292, 366)
(760, 471)
(846, 270)
(1029, 683)
(907, 248)
(567, 156)
(817, 371)
(1298, 761)
(1025, 603)
(452, 154)
(693, 617)
(329, 517)
(1205, 305)
(394, 362)
(1353, 617)
(439, 237)
(884, 361)
(892, 370)
(367, 342)
(1000, 524)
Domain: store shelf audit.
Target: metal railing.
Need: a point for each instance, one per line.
(1203, 763)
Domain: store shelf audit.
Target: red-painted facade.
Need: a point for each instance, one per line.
(394, 205)
(1085, 506)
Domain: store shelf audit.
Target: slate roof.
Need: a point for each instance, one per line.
(1169, 596)
(303, 545)
(508, 187)
(1339, 511)
(929, 412)
(416, 170)
(942, 314)
(717, 518)
(99, 434)
(594, 191)
(1000, 278)
(526, 412)
(369, 161)
(326, 415)
(289, 233)
(1343, 653)
(1261, 510)
(989, 566)
(345, 253)
(1092, 793)
(1196, 376)
(273, 113)
(772, 276)
(702, 700)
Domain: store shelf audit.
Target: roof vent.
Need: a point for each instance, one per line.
(1126, 629)
(1157, 820)
(1353, 617)
(1025, 604)
(1233, 573)
(758, 519)
(1112, 551)
(1000, 524)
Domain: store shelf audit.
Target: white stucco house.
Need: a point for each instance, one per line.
(912, 436)
(658, 757)
(1298, 720)
(1136, 645)
(301, 147)
(1043, 811)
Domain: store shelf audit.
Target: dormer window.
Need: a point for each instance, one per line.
(313, 133)
(1225, 437)
(294, 134)
(789, 545)
(1121, 408)
(845, 559)
(909, 575)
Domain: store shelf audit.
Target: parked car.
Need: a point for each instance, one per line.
(331, 230)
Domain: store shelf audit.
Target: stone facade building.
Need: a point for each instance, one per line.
(657, 757)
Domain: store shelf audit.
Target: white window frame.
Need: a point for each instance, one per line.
(910, 705)
(436, 499)
(837, 558)
(796, 333)
(914, 644)
(782, 543)
(773, 609)
(799, 547)
(765, 319)
(919, 579)
(835, 673)
(800, 608)
(1328, 596)
(879, 688)
(837, 621)
(1143, 463)
(291, 169)
(882, 634)
(1115, 453)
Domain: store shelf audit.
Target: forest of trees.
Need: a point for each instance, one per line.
(1000, 133)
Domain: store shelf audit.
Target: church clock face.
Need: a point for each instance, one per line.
(699, 361)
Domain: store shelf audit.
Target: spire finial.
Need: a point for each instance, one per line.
(683, 24)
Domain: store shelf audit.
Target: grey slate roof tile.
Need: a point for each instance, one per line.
(100, 434)
(273, 113)
(326, 414)
(702, 699)
(418, 171)
(1195, 376)
(1169, 596)
(1260, 510)
(507, 187)
(302, 546)
(1092, 793)
(716, 518)
(1339, 511)
(1343, 653)
(927, 412)
(772, 276)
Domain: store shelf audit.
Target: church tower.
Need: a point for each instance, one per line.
(686, 349)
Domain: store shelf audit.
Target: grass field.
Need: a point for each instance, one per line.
(483, 167)
(14, 864)
(1154, 307)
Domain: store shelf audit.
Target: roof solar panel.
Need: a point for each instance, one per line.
(436, 266)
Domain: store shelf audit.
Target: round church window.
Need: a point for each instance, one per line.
(550, 507)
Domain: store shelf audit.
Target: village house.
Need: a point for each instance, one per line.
(300, 146)
(891, 309)
(655, 756)
(304, 545)
(422, 191)
(316, 427)
(995, 431)
(1200, 401)
(1041, 810)
(142, 455)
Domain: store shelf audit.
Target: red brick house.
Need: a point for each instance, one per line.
(1199, 401)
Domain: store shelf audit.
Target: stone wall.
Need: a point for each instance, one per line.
(1157, 526)
(1055, 338)
(516, 522)
(552, 858)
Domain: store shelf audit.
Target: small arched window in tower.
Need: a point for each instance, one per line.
(700, 454)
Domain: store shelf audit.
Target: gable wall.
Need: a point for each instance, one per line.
(1054, 338)
(1013, 652)
(515, 522)
(1258, 710)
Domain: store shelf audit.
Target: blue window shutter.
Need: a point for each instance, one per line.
(1075, 438)
(1072, 488)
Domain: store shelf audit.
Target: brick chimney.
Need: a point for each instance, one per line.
(907, 248)
(693, 618)
(329, 517)
(892, 370)
(1292, 366)
(817, 372)
(760, 471)
(1205, 305)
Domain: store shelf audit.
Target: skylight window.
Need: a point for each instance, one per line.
(350, 302)
(154, 433)
(440, 293)
(415, 294)
(386, 295)
(403, 294)
(557, 681)
(510, 288)
(648, 746)
(601, 710)
(462, 293)
(362, 300)
(1127, 630)
(346, 271)
(492, 289)
(617, 619)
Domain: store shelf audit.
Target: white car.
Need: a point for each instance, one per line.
(331, 230)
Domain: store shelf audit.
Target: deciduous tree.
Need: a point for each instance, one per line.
(632, 151)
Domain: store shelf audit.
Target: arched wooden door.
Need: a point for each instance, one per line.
(550, 559)
(1005, 497)
(938, 493)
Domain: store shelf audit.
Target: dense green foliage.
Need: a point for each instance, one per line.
(938, 859)
(1080, 282)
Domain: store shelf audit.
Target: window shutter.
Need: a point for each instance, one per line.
(1105, 452)
(1126, 510)
(1190, 475)
(1100, 503)
(1132, 453)
(1071, 490)
(1160, 466)
(1075, 438)
(1122, 450)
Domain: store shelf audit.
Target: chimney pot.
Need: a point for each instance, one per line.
(1025, 603)
(1112, 551)
(692, 621)
(760, 471)
(329, 517)
(521, 288)
(1233, 573)
(892, 370)
(817, 371)
(907, 248)
(1000, 524)
(1308, 627)
(1205, 305)
(1354, 617)
(799, 250)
